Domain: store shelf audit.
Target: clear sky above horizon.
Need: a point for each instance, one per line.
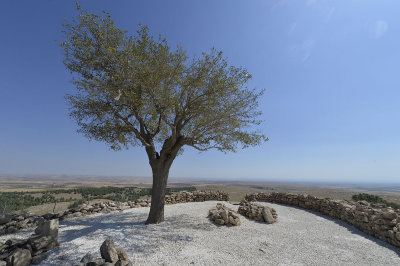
(330, 70)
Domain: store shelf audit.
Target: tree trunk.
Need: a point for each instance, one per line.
(160, 178)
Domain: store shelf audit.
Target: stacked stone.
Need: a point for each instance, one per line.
(12, 223)
(258, 212)
(223, 215)
(21, 252)
(374, 219)
(101, 207)
(110, 255)
(196, 196)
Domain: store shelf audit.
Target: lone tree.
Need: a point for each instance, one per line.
(137, 91)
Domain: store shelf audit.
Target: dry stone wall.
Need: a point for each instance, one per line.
(196, 196)
(374, 219)
(12, 223)
(24, 252)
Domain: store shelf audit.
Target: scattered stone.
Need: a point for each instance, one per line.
(19, 257)
(108, 251)
(123, 263)
(111, 256)
(223, 215)
(4, 219)
(39, 258)
(258, 212)
(267, 215)
(48, 228)
(96, 262)
(122, 254)
(15, 242)
(42, 242)
(88, 257)
(48, 216)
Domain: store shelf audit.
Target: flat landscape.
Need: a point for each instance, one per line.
(236, 189)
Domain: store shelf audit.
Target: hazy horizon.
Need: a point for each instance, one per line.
(330, 70)
(199, 179)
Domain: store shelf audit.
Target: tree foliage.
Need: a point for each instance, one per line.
(136, 90)
(374, 199)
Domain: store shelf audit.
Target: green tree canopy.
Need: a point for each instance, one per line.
(137, 91)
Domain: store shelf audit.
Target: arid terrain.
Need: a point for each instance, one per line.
(236, 189)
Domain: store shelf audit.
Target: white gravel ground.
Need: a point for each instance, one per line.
(188, 237)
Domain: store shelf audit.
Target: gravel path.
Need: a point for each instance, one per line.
(187, 237)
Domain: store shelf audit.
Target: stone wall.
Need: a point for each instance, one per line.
(24, 252)
(12, 223)
(196, 196)
(374, 219)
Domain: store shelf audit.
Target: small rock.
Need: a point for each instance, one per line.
(39, 258)
(41, 242)
(19, 257)
(122, 254)
(224, 216)
(15, 242)
(4, 219)
(96, 262)
(48, 228)
(48, 216)
(108, 251)
(267, 215)
(19, 218)
(219, 221)
(88, 257)
(123, 263)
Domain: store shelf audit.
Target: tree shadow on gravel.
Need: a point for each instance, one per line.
(128, 230)
(349, 227)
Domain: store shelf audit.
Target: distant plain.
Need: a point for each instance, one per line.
(236, 189)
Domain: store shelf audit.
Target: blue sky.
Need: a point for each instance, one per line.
(330, 70)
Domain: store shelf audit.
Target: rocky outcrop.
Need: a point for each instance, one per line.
(110, 255)
(374, 219)
(223, 215)
(258, 212)
(21, 252)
